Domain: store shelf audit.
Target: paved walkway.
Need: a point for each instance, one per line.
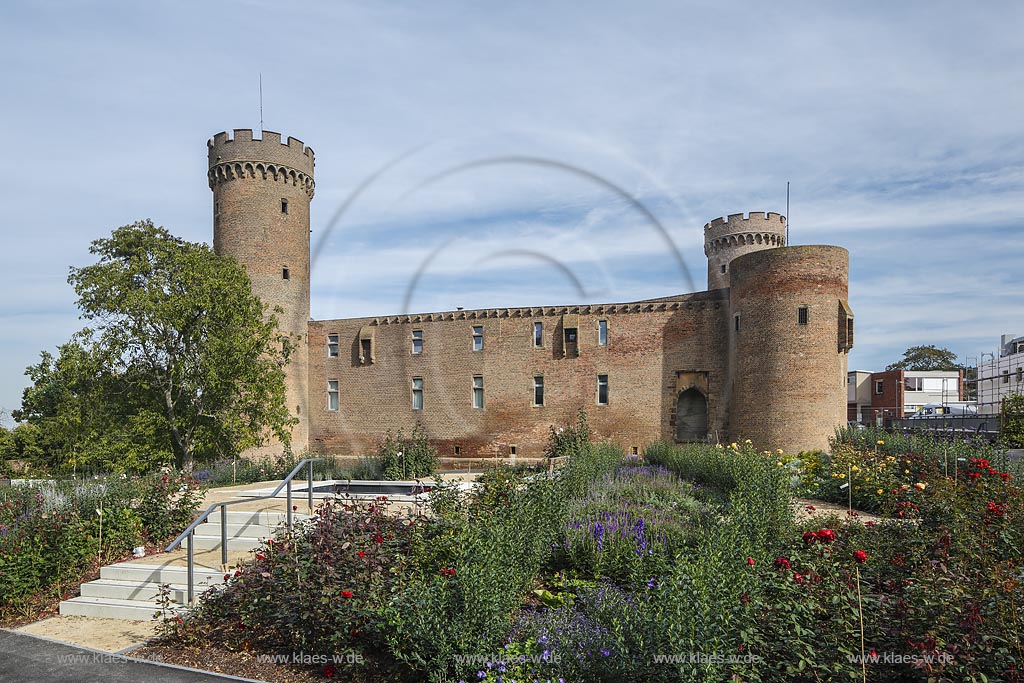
(30, 659)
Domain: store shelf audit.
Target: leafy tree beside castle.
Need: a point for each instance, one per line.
(926, 357)
(179, 363)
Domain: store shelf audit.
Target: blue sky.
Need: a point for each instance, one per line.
(899, 126)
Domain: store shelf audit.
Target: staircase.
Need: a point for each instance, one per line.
(131, 590)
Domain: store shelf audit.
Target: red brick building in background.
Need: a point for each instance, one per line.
(761, 355)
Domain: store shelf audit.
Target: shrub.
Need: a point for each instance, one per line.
(569, 439)
(405, 458)
(1013, 421)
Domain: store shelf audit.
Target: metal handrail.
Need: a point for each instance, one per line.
(191, 530)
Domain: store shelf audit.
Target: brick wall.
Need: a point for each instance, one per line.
(648, 344)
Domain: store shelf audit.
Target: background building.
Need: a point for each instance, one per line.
(761, 355)
(1001, 375)
(892, 394)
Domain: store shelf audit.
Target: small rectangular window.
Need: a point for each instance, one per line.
(1020, 375)
(417, 393)
(1006, 376)
(512, 450)
(602, 390)
(365, 351)
(723, 267)
(634, 450)
(285, 273)
(478, 337)
(736, 323)
(538, 335)
(801, 315)
(602, 332)
(417, 341)
(284, 206)
(538, 390)
(478, 391)
(332, 395)
(879, 387)
(332, 346)
(458, 450)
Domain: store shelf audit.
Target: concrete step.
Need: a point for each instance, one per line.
(212, 541)
(157, 574)
(110, 608)
(131, 590)
(262, 517)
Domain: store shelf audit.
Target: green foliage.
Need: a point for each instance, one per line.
(8, 449)
(568, 439)
(318, 589)
(181, 363)
(402, 457)
(169, 503)
(926, 357)
(1013, 421)
(50, 534)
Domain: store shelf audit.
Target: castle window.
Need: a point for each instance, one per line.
(478, 337)
(723, 267)
(458, 450)
(538, 335)
(478, 391)
(602, 390)
(365, 351)
(417, 341)
(602, 333)
(736, 323)
(634, 450)
(538, 390)
(417, 393)
(512, 450)
(332, 346)
(801, 315)
(286, 274)
(284, 206)
(879, 387)
(332, 395)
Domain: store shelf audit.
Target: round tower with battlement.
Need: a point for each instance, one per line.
(727, 238)
(790, 331)
(262, 189)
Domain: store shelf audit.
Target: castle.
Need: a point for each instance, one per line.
(761, 355)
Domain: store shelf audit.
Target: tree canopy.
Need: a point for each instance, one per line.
(927, 357)
(181, 361)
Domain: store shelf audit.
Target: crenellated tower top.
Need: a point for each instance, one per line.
(267, 158)
(738, 234)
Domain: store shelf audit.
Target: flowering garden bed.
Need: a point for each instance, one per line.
(688, 567)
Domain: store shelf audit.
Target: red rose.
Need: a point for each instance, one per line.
(798, 577)
(810, 537)
(378, 539)
(860, 556)
(826, 535)
(781, 563)
(362, 554)
(750, 561)
(346, 594)
(330, 670)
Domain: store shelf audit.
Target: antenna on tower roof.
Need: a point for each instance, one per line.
(261, 104)
(787, 212)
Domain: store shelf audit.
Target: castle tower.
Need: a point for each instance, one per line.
(727, 238)
(790, 332)
(261, 194)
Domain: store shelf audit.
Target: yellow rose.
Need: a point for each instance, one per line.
(880, 442)
(920, 485)
(855, 468)
(879, 491)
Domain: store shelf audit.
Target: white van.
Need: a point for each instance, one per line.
(954, 409)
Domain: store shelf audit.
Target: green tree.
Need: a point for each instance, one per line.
(1013, 421)
(927, 357)
(180, 356)
(7, 447)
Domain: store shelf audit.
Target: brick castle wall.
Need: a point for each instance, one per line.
(649, 343)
